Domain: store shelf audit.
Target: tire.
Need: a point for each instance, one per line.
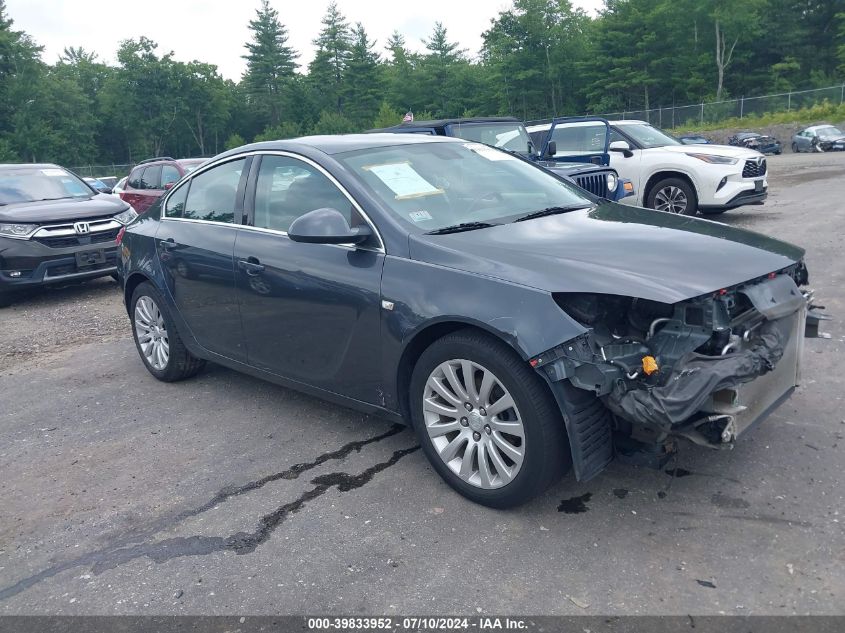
(152, 317)
(544, 448)
(672, 192)
(795, 148)
(777, 153)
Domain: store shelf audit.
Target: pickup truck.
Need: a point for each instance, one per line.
(508, 133)
(667, 175)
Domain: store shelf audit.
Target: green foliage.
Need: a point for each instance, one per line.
(279, 132)
(234, 140)
(824, 111)
(387, 116)
(270, 64)
(333, 123)
(539, 58)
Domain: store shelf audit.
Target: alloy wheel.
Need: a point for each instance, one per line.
(474, 424)
(671, 199)
(152, 333)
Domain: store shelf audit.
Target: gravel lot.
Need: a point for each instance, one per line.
(224, 494)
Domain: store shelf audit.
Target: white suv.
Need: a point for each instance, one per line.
(667, 175)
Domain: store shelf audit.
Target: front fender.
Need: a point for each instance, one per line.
(420, 295)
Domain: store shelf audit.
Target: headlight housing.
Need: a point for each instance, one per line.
(715, 160)
(612, 181)
(125, 217)
(18, 231)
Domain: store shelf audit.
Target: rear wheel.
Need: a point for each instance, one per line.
(486, 421)
(159, 344)
(673, 195)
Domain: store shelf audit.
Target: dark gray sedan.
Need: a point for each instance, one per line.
(521, 326)
(819, 138)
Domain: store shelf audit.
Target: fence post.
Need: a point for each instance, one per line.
(789, 101)
(660, 116)
(842, 95)
(741, 106)
(702, 114)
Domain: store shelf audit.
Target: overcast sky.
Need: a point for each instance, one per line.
(214, 31)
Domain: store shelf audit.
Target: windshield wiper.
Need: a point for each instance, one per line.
(463, 226)
(550, 211)
(48, 199)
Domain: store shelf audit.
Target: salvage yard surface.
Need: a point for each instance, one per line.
(224, 494)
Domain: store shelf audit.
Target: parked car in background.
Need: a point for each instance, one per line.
(508, 133)
(819, 138)
(519, 324)
(756, 141)
(667, 175)
(694, 139)
(54, 228)
(119, 185)
(98, 185)
(150, 178)
(109, 181)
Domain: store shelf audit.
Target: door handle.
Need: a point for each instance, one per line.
(250, 266)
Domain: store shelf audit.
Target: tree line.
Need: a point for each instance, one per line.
(539, 58)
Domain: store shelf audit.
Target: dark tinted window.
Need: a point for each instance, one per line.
(288, 188)
(135, 178)
(151, 178)
(169, 174)
(213, 192)
(175, 205)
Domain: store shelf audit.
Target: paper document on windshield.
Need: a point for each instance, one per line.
(403, 180)
(490, 153)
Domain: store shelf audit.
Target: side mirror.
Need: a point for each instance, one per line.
(168, 185)
(551, 149)
(326, 226)
(622, 147)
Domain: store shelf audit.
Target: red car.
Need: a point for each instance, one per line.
(150, 178)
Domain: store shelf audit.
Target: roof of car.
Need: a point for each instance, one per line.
(629, 122)
(30, 166)
(339, 143)
(436, 123)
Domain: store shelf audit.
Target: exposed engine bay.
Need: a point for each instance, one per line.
(704, 369)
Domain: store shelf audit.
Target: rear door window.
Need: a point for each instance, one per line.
(213, 193)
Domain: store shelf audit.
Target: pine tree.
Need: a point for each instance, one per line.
(363, 85)
(328, 69)
(271, 63)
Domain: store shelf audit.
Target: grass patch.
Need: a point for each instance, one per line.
(803, 116)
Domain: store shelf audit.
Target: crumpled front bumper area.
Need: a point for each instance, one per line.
(687, 387)
(705, 369)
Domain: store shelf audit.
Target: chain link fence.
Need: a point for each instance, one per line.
(95, 171)
(717, 111)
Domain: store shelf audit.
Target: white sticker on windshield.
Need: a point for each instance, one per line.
(54, 172)
(420, 216)
(490, 153)
(403, 180)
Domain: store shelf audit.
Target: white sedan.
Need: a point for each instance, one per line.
(667, 175)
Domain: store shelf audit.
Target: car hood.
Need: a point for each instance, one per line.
(48, 211)
(612, 249)
(567, 169)
(716, 150)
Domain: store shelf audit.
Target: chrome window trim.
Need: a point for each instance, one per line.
(189, 177)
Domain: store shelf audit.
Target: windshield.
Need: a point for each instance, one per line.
(436, 185)
(829, 132)
(191, 165)
(28, 184)
(510, 136)
(647, 136)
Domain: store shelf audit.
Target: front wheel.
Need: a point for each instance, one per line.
(487, 423)
(795, 148)
(159, 344)
(673, 195)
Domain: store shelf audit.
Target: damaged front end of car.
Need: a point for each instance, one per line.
(704, 370)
